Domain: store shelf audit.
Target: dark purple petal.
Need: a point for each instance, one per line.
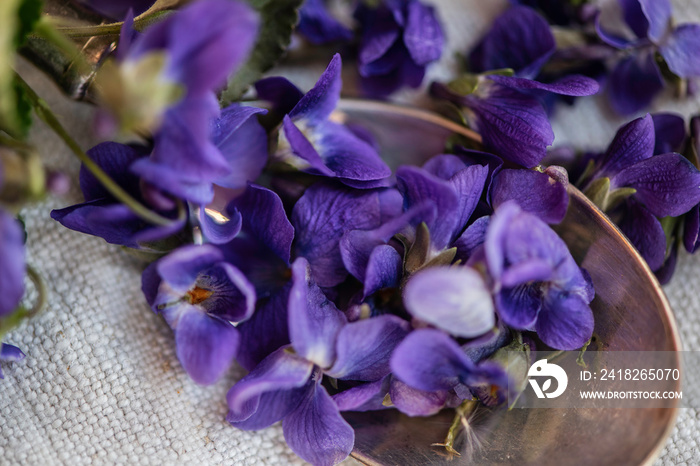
(512, 125)
(180, 268)
(316, 431)
(379, 33)
(150, 281)
(264, 218)
(280, 92)
(574, 85)
(384, 269)
(115, 223)
(534, 192)
(454, 299)
(565, 321)
(634, 17)
(404, 73)
(271, 406)
(468, 184)
(518, 307)
(319, 26)
(658, 14)
(429, 360)
(114, 159)
(302, 148)
(281, 371)
(233, 296)
(445, 166)
(667, 184)
(10, 353)
(473, 237)
(633, 83)
(669, 129)
(665, 272)
(645, 232)
(414, 402)
(519, 39)
(314, 321)
(423, 35)
(12, 264)
(691, 229)
(418, 186)
(219, 231)
(206, 345)
(682, 50)
(364, 348)
(633, 143)
(364, 397)
(320, 101)
(347, 155)
(321, 217)
(266, 330)
(243, 142)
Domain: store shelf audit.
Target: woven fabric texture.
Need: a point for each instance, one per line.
(101, 383)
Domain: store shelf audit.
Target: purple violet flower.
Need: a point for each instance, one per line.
(287, 385)
(430, 361)
(12, 263)
(398, 39)
(9, 353)
(538, 284)
(100, 214)
(636, 187)
(311, 142)
(318, 26)
(198, 46)
(636, 78)
(200, 294)
(519, 39)
(507, 113)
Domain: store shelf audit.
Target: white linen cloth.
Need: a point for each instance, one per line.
(101, 383)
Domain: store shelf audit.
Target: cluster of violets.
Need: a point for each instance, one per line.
(338, 284)
(291, 247)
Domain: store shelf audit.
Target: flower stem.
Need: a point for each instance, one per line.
(112, 29)
(40, 290)
(45, 114)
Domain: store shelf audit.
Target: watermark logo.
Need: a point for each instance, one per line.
(541, 369)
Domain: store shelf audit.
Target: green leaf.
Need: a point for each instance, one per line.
(29, 13)
(277, 21)
(18, 18)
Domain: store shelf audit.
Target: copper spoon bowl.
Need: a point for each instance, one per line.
(631, 312)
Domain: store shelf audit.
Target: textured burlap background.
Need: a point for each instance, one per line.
(101, 383)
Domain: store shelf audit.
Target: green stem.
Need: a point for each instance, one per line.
(47, 31)
(45, 114)
(40, 289)
(11, 321)
(112, 29)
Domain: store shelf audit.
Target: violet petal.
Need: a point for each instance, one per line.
(316, 431)
(206, 345)
(314, 321)
(454, 299)
(667, 184)
(364, 348)
(682, 51)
